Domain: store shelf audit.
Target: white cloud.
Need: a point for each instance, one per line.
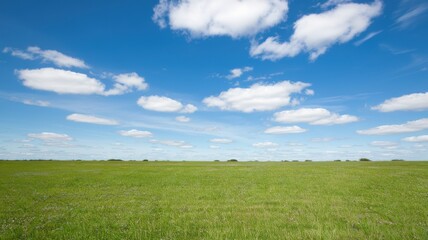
(69, 82)
(309, 92)
(332, 3)
(237, 72)
(235, 18)
(258, 97)
(164, 104)
(284, 130)
(57, 58)
(183, 119)
(422, 138)
(410, 17)
(60, 81)
(39, 103)
(322, 139)
(313, 116)
(366, 38)
(50, 137)
(90, 119)
(135, 133)
(384, 144)
(18, 53)
(173, 143)
(411, 102)
(315, 33)
(214, 147)
(265, 145)
(411, 126)
(221, 140)
(189, 108)
(126, 82)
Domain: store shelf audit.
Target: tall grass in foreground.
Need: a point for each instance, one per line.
(213, 200)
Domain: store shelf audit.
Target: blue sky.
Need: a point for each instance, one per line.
(205, 80)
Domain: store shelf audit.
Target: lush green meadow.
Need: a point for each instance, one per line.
(213, 200)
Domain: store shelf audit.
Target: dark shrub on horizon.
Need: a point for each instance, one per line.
(397, 160)
(114, 160)
(338, 160)
(307, 160)
(232, 160)
(364, 160)
(145, 160)
(216, 160)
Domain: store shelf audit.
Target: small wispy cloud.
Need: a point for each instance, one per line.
(410, 17)
(366, 38)
(39, 103)
(57, 58)
(237, 72)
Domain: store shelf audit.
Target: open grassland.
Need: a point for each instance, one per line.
(213, 200)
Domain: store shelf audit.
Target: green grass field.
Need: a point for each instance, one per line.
(213, 200)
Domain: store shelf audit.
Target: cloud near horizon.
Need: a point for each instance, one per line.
(313, 116)
(410, 126)
(50, 137)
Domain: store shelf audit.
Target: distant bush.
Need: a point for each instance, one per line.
(396, 160)
(295, 160)
(347, 160)
(364, 160)
(145, 160)
(307, 160)
(232, 160)
(216, 160)
(284, 161)
(338, 160)
(114, 160)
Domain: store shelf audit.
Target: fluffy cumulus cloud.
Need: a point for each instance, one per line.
(235, 18)
(258, 97)
(135, 133)
(164, 104)
(422, 138)
(60, 81)
(315, 33)
(50, 137)
(411, 102)
(313, 116)
(221, 140)
(237, 72)
(411, 126)
(126, 82)
(69, 82)
(57, 58)
(90, 119)
(265, 145)
(284, 130)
